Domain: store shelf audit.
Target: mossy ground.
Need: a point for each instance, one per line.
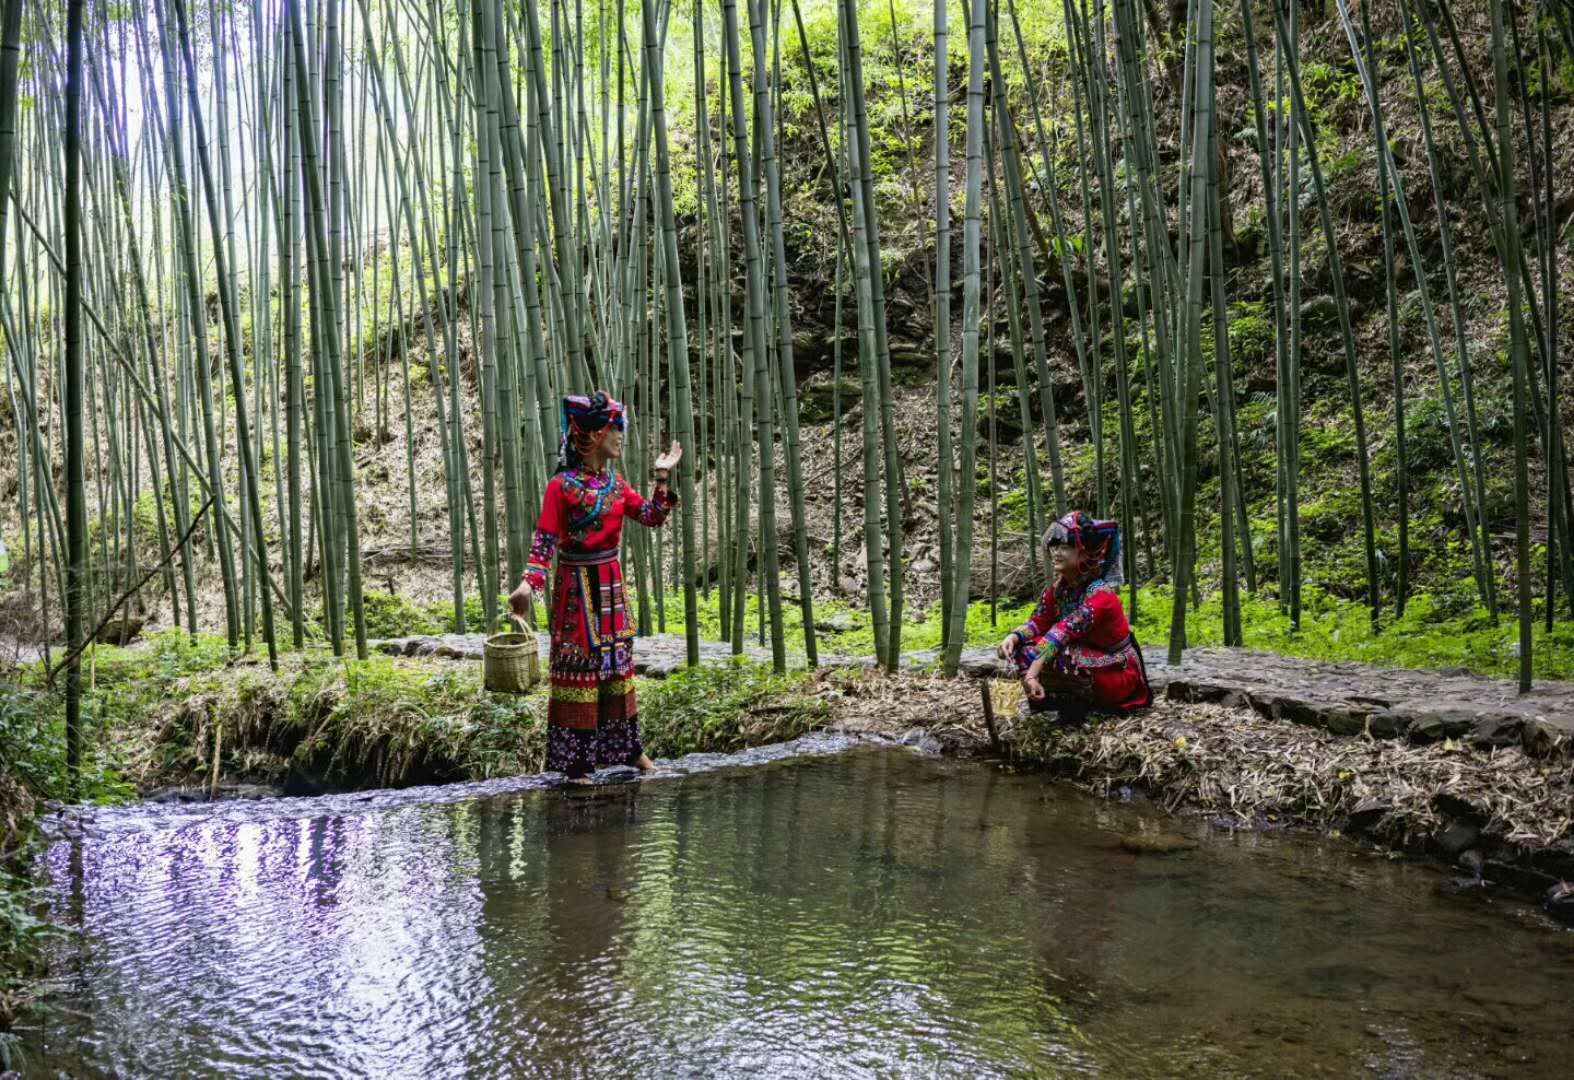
(1430, 634)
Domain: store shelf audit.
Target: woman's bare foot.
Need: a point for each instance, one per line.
(644, 764)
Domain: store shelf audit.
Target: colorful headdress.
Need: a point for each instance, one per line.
(1098, 539)
(583, 420)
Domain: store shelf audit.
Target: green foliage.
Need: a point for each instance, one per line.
(442, 613)
(723, 708)
(32, 769)
(386, 722)
(390, 615)
(23, 935)
(845, 630)
(1433, 633)
(32, 757)
(1252, 331)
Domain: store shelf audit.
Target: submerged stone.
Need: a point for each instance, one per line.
(1145, 843)
(1560, 901)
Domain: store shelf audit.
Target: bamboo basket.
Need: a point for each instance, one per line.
(512, 663)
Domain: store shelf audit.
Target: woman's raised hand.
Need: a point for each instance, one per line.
(670, 459)
(1009, 645)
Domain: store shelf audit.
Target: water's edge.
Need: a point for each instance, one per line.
(83, 820)
(1526, 878)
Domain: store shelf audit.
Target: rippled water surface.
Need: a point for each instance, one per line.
(870, 913)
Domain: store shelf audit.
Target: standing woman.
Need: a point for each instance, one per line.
(592, 720)
(1076, 652)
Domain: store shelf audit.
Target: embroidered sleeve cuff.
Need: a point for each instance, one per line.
(654, 510)
(542, 547)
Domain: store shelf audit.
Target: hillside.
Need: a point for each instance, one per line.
(399, 455)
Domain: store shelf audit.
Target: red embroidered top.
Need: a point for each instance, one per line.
(1095, 619)
(584, 511)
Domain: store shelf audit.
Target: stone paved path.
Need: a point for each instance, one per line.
(1343, 697)
(1350, 698)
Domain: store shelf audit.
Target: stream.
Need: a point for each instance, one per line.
(825, 908)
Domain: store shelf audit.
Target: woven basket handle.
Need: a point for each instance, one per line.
(509, 621)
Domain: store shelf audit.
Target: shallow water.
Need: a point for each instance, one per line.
(822, 911)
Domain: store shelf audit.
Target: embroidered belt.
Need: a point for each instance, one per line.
(587, 558)
(1120, 656)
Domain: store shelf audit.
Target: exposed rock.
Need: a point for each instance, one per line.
(120, 631)
(1500, 730)
(1458, 838)
(172, 795)
(1366, 816)
(1237, 699)
(1294, 708)
(1505, 996)
(1427, 705)
(1450, 805)
(1344, 721)
(1560, 901)
(818, 404)
(985, 663)
(911, 365)
(1320, 312)
(1387, 724)
(1524, 880)
(1541, 739)
(1557, 860)
(1447, 722)
(840, 622)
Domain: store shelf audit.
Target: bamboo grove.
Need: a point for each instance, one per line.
(242, 243)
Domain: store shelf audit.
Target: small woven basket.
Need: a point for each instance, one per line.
(513, 659)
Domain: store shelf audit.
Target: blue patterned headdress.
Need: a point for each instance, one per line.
(582, 420)
(1098, 539)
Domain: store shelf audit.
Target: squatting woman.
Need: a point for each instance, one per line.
(1076, 652)
(592, 720)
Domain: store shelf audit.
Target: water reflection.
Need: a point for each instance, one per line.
(873, 914)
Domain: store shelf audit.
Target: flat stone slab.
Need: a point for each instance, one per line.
(1344, 697)
(1352, 698)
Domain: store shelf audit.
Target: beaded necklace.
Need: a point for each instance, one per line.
(588, 494)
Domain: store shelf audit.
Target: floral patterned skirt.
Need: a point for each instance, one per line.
(592, 717)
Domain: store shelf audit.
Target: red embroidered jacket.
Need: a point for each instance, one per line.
(584, 511)
(1095, 620)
